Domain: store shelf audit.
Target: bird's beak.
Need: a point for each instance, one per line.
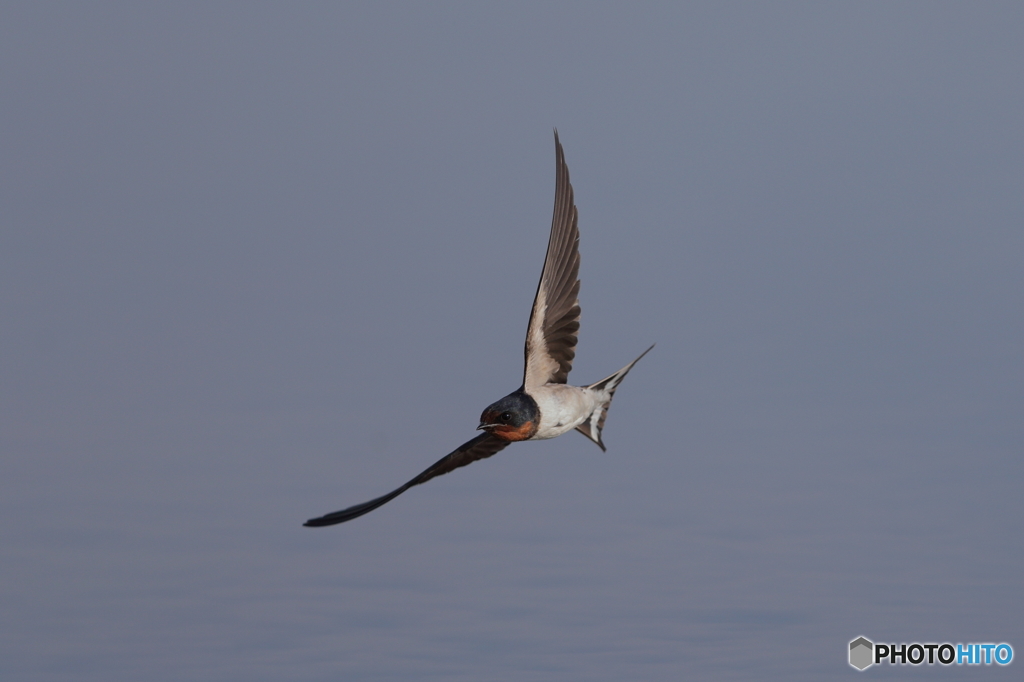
(484, 427)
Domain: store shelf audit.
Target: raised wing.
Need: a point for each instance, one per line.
(481, 447)
(555, 320)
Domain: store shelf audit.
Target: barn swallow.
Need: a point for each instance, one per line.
(545, 406)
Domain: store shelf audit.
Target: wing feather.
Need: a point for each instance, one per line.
(481, 447)
(555, 319)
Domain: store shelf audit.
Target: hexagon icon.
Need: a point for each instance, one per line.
(860, 653)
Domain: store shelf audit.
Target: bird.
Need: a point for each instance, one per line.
(545, 405)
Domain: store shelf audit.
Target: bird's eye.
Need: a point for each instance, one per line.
(505, 416)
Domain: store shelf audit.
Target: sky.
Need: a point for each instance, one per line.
(262, 261)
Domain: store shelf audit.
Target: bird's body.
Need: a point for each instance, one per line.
(564, 407)
(545, 406)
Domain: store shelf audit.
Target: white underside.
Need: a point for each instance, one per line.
(563, 407)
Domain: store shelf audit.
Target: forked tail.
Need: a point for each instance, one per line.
(594, 425)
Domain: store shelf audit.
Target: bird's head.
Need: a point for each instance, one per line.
(514, 417)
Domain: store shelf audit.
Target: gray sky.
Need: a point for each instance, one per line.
(261, 262)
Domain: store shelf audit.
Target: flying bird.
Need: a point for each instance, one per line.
(545, 406)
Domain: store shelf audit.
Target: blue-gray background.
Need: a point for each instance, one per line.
(259, 262)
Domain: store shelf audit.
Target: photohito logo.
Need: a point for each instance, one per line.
(865, 653)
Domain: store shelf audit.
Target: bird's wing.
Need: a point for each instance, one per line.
(481, 447)
(555, 320)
